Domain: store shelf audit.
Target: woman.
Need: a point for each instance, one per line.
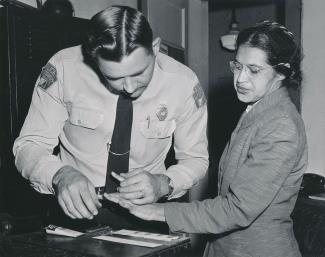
(262, 165)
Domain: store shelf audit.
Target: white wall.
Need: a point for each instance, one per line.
(313, 96)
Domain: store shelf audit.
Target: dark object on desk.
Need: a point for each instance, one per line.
(12, 225)
(5, 228)
(5, 224)
(312, 184)
(15, 225)
(309, 226)
(309, 217)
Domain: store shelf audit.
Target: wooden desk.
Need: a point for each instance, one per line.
(39, 244)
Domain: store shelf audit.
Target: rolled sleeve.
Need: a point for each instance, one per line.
(191, 147)
(37, 165)
(33, 149)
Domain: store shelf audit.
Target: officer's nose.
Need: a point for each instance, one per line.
(129, 85)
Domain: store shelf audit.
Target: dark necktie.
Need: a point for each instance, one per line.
(118, 157)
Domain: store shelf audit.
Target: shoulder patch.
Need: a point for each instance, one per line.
(199, 96)
(47, 77)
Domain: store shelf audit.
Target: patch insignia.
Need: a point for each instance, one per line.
(162, 112)
(47, 77)
(199, 96)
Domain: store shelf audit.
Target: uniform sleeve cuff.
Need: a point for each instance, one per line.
(180, 181)
(44, 185)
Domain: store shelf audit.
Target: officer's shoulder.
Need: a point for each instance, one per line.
(173, 67)
(68, 54)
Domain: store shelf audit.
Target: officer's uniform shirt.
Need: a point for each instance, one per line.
(70, 104)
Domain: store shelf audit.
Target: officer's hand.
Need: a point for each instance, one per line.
(141, 187)
(76, 194)
(146, 212)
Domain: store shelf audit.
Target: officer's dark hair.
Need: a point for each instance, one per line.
(278, 43)
(116, 32)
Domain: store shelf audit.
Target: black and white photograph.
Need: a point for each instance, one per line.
(162, 128)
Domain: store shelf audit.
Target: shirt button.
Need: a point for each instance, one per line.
(79, 122)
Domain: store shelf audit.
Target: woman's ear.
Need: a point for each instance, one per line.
(280, 76)
(156, 45)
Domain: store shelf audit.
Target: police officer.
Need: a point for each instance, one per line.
(74, 105)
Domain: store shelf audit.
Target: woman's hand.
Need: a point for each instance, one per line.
(146, 212)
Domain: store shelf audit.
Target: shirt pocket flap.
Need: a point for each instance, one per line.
(158, 129)
(86, 118)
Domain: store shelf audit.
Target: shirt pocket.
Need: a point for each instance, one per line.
(157, 129)
(86, 118)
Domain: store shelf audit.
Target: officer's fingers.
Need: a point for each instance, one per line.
(133, 195)
(116, 198)
(148, 188)
(136, 191)
(132, 173)
(89, 202)
(113, 197)
(117, 176)
(93, 195)
(79, 204)
(129, 188)
(138, 178)
(66, 198)
(65, 209)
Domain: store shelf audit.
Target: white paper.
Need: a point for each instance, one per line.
(55, 230)
(127, 241)
(147, 235)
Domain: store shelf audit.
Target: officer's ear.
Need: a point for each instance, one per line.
(156, 45)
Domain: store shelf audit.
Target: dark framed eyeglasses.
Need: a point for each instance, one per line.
(251, 70)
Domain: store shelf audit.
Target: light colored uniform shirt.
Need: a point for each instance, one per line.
(71, 106)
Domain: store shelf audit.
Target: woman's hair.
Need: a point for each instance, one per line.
(116, 32)
(278, 43)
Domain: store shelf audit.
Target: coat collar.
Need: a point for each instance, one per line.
(278, 97)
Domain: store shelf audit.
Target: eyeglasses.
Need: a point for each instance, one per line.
(251, 70)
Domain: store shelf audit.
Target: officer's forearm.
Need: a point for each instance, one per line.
(37, 164)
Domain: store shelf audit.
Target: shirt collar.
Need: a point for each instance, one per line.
(278, 97)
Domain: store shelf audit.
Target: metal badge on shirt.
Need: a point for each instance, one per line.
(199, 96)
(162, 112)
(47, 77)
